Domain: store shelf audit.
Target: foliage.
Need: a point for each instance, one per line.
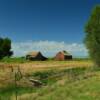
(14, 60)
(5, 47)
(92, 39)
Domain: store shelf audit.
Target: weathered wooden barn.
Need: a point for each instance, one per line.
(35, 56)
(63, 55)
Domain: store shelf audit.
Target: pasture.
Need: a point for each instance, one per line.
(69, 80)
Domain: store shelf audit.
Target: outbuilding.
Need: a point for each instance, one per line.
(35, 56)
(63, 55)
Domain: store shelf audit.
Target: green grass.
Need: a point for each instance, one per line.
(82, 59)
(11, 90)
(51, 76)
(88, 89)
(23, 60)
(14, 60)
(78, 84)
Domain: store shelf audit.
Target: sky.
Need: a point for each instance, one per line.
(45, 25)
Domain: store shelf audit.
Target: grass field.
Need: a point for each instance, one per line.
(66, 80)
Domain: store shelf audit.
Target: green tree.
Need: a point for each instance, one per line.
(92, 39)
(1, 49)
(5, 47)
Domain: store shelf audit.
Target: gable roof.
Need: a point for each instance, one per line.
(65, 52)
(33, 53)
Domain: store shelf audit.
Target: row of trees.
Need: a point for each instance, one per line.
(5, 47)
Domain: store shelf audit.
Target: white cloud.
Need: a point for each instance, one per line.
(48, 48)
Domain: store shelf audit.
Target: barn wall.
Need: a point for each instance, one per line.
(59, 56)
(68, 57)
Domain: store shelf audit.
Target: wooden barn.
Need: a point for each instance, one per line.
(35, 56)
(63, 55)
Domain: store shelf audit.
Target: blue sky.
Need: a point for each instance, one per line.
(44, 20)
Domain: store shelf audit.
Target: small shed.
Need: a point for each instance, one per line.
(63, 55)
(35, 56)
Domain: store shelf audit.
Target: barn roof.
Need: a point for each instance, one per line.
(33, 53)
(65, 52)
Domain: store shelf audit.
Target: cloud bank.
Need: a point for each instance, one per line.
(48, 48)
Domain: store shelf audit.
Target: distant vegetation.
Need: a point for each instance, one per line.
(81, 59)
(14, 60)
(23, 59)
(5, 47)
